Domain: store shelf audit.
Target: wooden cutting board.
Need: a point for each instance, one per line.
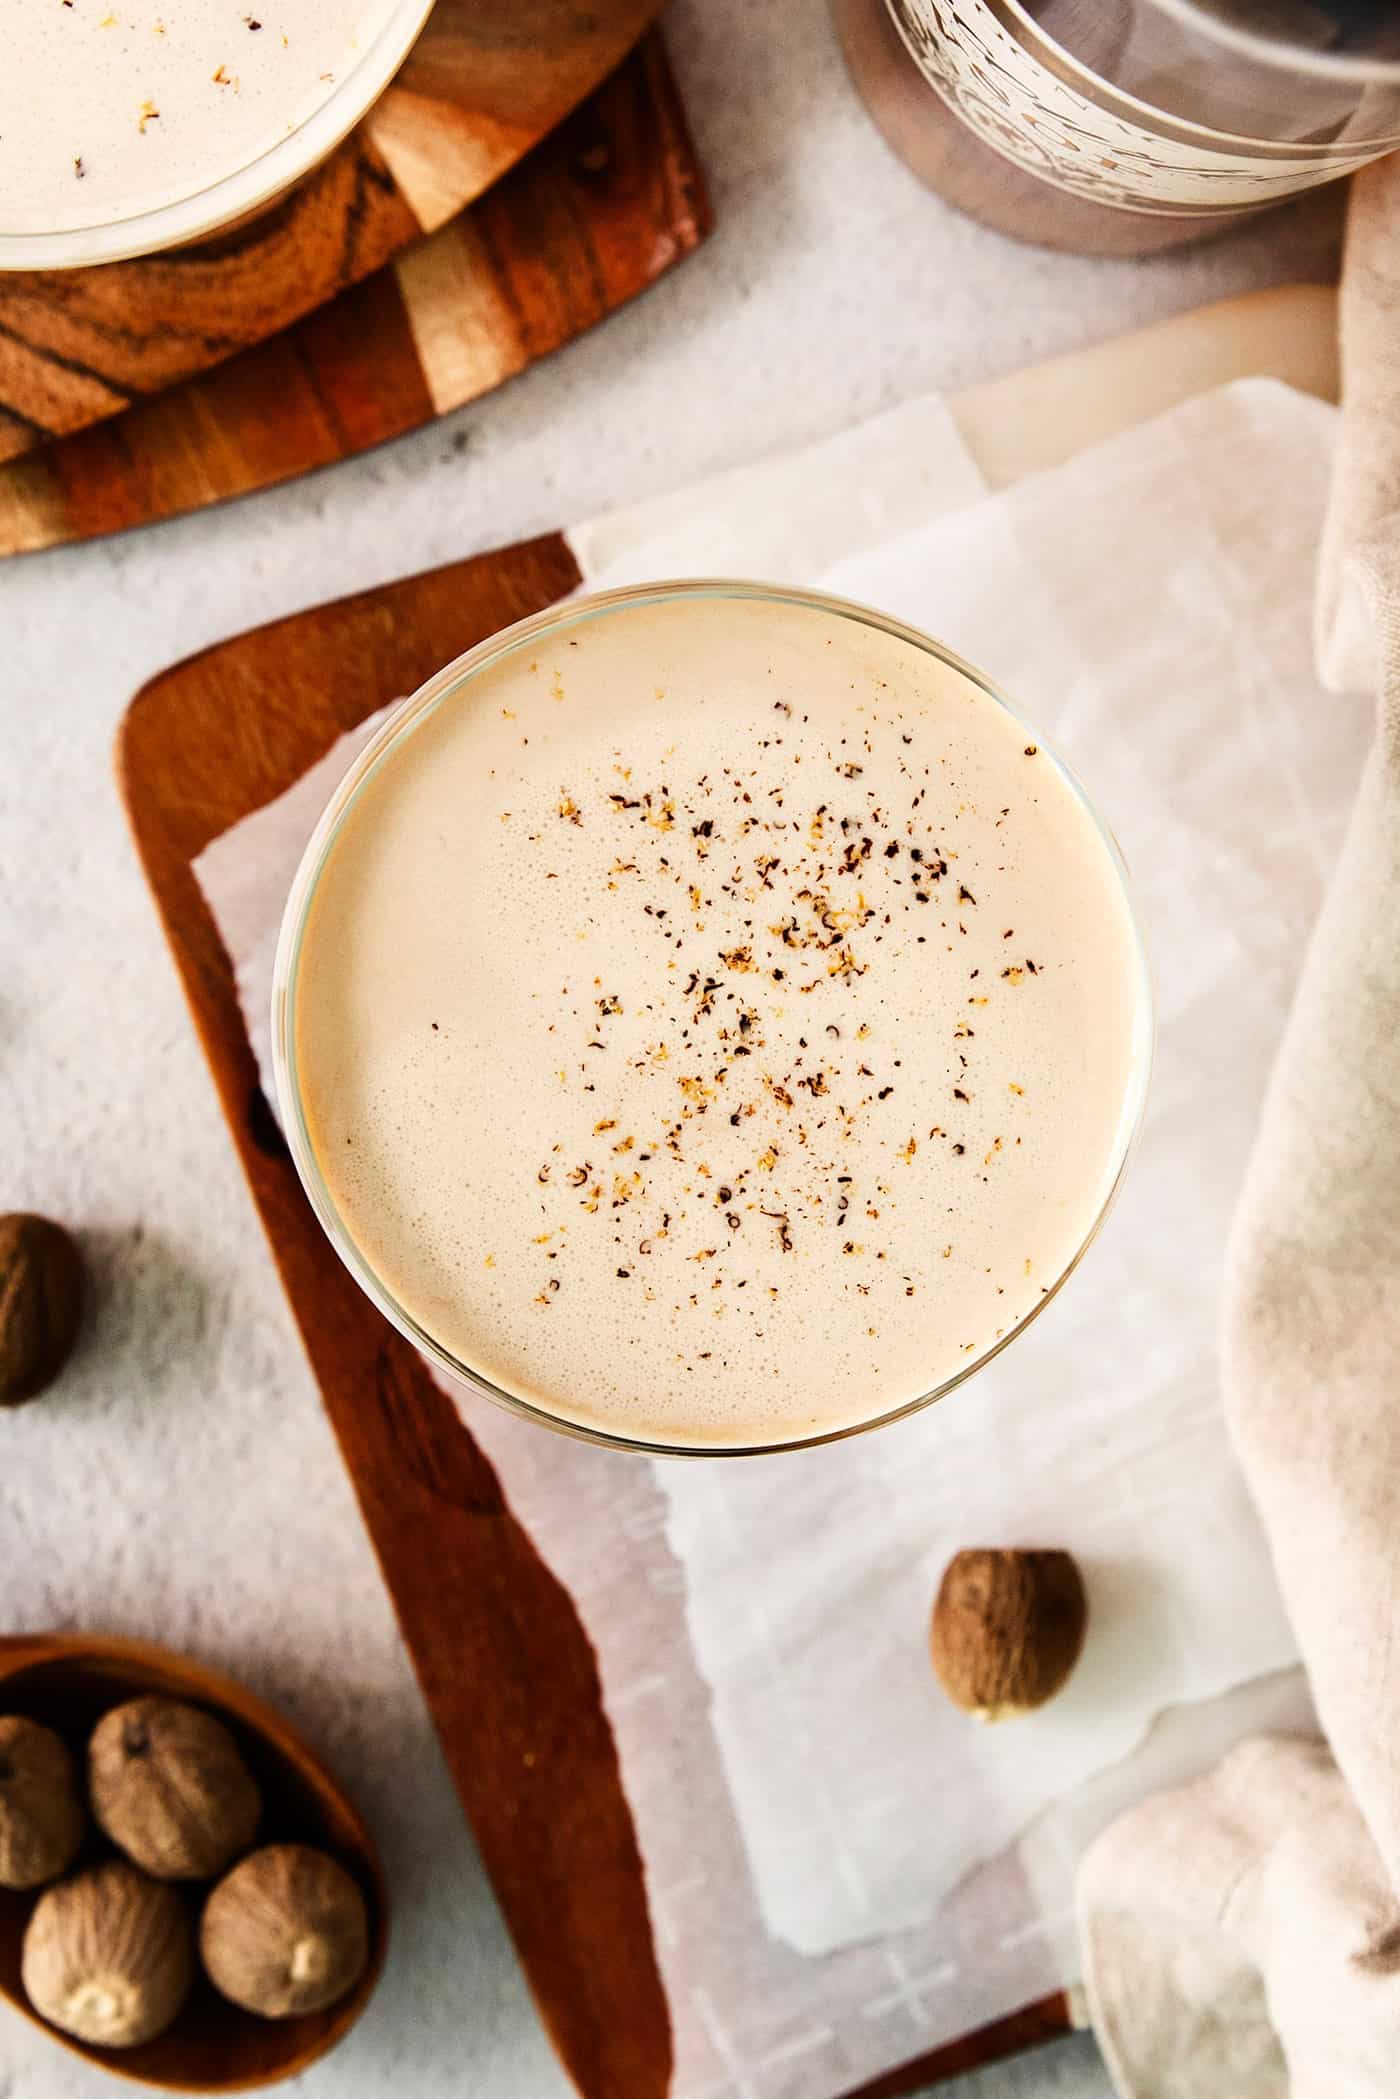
(486, 81)
(609, 202)
(508, 1673)
(507, 1670)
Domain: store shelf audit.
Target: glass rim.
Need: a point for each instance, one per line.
(241, 191)
(442, 687)
(1347, 66)
(1014, 18)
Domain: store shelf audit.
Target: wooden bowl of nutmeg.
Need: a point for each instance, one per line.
(187, 1898)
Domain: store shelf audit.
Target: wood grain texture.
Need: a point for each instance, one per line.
(1016, 2034)
(67, 1681)
(487, 81)
(506, 1668)
(607, 204)
(508, 1674)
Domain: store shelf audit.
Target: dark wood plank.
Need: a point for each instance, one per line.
(506, 1668)
(1016, 2034)
(488, 80)
(607, 204)
(508, 1673)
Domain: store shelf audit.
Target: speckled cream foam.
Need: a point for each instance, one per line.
(716, 1022)
(109, 109)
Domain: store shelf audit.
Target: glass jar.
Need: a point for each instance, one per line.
(1120, 126)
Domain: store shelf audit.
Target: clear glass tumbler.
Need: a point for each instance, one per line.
(1121, 126)
(232, 194)
(454, 687)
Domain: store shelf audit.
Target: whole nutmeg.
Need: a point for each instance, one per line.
(42, 1817)
(109, 1956)
(169, 1787)
(285, 1932)
(1007, 1629)
(41, 1303)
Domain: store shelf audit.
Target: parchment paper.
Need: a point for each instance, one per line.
(831, 1852)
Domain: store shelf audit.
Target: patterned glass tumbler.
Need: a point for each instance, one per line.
(1123, 126)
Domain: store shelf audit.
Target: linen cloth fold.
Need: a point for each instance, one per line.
(1241, 1934)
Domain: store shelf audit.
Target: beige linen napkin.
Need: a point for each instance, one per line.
(1242, 1934)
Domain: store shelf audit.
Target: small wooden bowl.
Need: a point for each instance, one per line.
(68, 1681)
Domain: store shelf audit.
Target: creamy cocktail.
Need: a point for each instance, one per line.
(126, 124)
(712, 1019)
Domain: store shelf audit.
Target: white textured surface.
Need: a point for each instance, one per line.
(183, 1482)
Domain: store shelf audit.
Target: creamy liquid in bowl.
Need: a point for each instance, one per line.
(112, 108)
(717, 1021)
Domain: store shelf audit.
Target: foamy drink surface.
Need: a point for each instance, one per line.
(717, 1022)
(111, 108)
